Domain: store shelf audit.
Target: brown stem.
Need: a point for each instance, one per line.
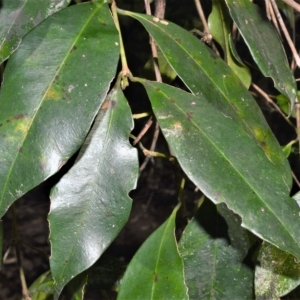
(269, 100)
(143, 131)
(202, 16)
(293, 4)
(285, 32)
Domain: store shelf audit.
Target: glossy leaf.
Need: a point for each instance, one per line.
(219, 23)
(53, 87)
(156, 270)
(213, 268)
(227, 164)
(90, 204)
(18, 17)
(216, 83)
(264, 45)
(276, 274)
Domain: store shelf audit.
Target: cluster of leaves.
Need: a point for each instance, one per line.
(56, 99)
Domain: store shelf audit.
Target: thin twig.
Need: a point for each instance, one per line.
(143, 131)
(181, 197)
(272, 16)
(152, 147)
(160, 8)
(141, 115)
(296, 179)
(202, 16)
(149, 153)
(161, 12)
(153, 48)
(293, 4)
(18, 253)
(269, 100)
(297, 109)
(268, 12)
(147, 7)
(286, 34)
(35, 248)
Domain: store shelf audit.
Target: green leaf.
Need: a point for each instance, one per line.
(167, 73)
(75, 289)
(213, 268)
(209, 78)
(90, 204)
(219, 23)
(227, 164)
(18, 17)
(288, 148)
(42, 287)
(156, 270)
(277, 273)
(264, 45)
(283, 102)
(53, 87)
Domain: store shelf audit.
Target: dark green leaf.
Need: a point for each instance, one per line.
(53, 87)
(213, 268)
(264, 45)
(17, 17)
(277, 273)
(209, 78)
(106, 274)
(90, 204)
(75, 289)
(227, 164)
(219, 23)
(240, 238)
(156, 270)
